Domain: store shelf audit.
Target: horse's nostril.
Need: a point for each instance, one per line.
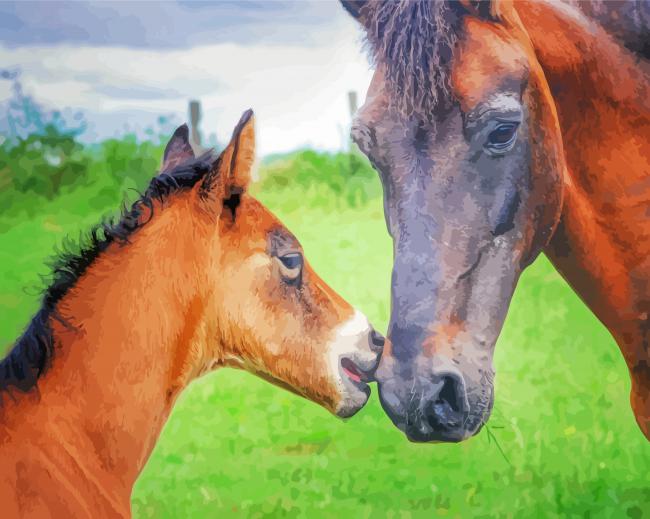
(444, 416)
(450, 394)
(447, 409)
(377, 339)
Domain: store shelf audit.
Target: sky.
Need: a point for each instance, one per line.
(126, 64)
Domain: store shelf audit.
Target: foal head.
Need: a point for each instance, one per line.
(461, 126)
(265, 310)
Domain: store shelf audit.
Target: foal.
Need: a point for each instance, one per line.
(197, 275)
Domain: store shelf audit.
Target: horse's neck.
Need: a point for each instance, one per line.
(602, 95)
(602, 246)
(627, 20)
(133, 338)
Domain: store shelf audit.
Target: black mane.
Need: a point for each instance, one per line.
(32, 353)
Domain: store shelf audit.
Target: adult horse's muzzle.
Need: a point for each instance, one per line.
(434, 402)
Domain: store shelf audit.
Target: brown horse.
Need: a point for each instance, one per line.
(627, 20)
(197, 275)
(461, 123)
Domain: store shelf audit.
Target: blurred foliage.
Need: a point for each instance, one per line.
(325, 179)
(52, 163)
(41, 157)
(42, 163)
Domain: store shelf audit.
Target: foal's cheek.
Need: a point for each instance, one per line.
(249, 297)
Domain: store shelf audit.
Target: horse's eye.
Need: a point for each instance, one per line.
(291, 266)
(503, 137)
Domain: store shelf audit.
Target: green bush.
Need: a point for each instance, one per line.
(41, 157)
(43, 163)
(127, 160)
(49, 164)
(321, 178)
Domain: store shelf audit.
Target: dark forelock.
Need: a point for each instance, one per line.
(414, 41)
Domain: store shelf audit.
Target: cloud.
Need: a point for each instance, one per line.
(299, 92)
(162, 24)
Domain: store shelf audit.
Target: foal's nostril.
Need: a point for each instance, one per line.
(377, 340)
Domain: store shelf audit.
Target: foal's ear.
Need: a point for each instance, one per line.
(231, 173)
(242, 144)
(178, 149)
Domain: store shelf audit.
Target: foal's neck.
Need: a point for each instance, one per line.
(134, 336)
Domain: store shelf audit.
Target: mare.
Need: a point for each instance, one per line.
(196, 275)
(500, 130)
(627, 20)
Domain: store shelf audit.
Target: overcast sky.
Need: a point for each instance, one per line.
(125, 64)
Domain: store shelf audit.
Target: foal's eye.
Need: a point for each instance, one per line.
(291, 266)
(502, 138)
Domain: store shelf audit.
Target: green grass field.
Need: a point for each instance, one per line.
(562, 441)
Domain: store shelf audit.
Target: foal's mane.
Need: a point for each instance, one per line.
(414, 40)
(32, 353)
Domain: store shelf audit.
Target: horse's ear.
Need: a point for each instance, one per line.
(231, 173)
(484, 9)
(356, 9)
(178, 149)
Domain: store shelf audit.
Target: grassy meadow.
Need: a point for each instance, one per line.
(562, 441)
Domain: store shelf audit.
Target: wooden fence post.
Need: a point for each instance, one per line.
(352, 147)
(195, 119)
(352, 105)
